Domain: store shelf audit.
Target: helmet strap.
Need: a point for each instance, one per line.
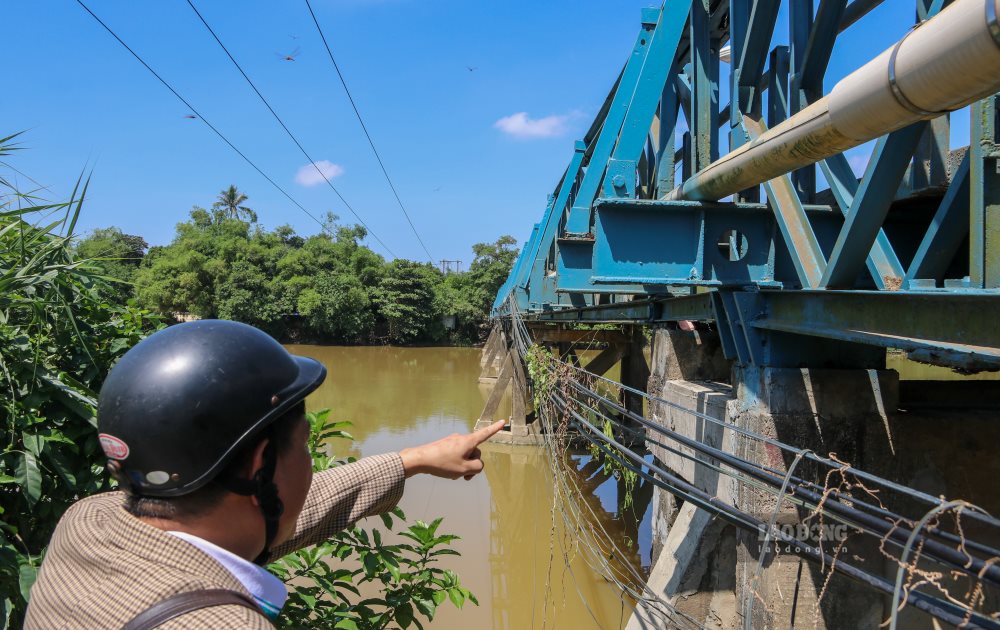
(262, 487)
(267, 496)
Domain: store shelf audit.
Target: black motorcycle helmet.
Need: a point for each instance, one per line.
(180, 404)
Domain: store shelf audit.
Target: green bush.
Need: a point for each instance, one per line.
(322, 595)
(58, 339)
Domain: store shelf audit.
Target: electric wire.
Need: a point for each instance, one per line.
(941, 609)
(598, 556)
(595, 554)
(364, 128)
(287, 130)
(933, 606)
(896, 534)
(725, 456)
(840, 513)
(861, 474)
(520, 343)
(735, 474)
(892, 530)
(599, 547)
(617, 451)
(856, 501)
(200, 116)
(793, 498)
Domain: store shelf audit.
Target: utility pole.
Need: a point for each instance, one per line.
(451, 266)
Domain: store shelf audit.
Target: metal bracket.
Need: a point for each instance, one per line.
(621, 176)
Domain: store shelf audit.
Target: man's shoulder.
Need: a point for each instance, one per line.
(86, 522)
(96, 507)
(104, 566)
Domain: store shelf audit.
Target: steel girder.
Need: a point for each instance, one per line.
(919, 229)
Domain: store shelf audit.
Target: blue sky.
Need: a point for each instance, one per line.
(473, 154)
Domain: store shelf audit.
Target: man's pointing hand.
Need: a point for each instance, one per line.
(451, 457)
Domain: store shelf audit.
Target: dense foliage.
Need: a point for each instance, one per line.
(59, 335)
(69, 308)
(410, 584)
(328, 287)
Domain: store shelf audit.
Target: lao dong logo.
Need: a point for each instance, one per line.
(793, 537)
(807, 532)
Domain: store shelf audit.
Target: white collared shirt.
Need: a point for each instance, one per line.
(269, 592)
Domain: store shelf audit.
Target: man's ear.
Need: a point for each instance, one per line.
(257, 462)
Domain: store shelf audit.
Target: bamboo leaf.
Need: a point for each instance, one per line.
(29, 477)
(58, 462)
(26, 578)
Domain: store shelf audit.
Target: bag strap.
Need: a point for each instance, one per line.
(183, 603)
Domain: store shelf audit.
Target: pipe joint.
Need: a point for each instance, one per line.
(897, 93)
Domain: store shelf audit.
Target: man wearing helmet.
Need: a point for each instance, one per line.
(204, 428)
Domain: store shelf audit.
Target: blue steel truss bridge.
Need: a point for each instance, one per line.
(741, 224)
(649, 223)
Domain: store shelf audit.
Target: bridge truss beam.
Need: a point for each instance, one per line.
(920, 229)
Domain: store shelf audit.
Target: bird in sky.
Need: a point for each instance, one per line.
(293, 36)
(190, 116)
(290, 56)
(472, 68)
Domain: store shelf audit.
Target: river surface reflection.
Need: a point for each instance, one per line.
(512, 552)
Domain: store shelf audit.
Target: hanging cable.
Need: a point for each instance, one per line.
(941, 609)
(206, 121)
(570, 395)
(367, 135)
(285, 127)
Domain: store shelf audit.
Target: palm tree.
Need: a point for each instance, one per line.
(231, 202)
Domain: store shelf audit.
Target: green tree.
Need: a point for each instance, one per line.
(245, 294)
(455, 297)
(472, 293)
(490, 268)
(230, 203)
(185, 276)
(328, 287)
(118, 255)
(405, 301)
(336, 307)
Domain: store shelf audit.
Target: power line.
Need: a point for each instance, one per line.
(285, 127)
(367, 135)
(205, 120)
(827, 501)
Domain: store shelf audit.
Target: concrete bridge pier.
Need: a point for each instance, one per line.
(693, 554)
(491, 359)
(502, 367)
(706, 567)
(510, 379)
(840, 412)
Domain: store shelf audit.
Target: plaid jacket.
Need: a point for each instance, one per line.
(105, 566)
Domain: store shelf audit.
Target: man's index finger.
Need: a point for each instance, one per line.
(487, 432)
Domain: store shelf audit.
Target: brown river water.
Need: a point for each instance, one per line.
(512, 548)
